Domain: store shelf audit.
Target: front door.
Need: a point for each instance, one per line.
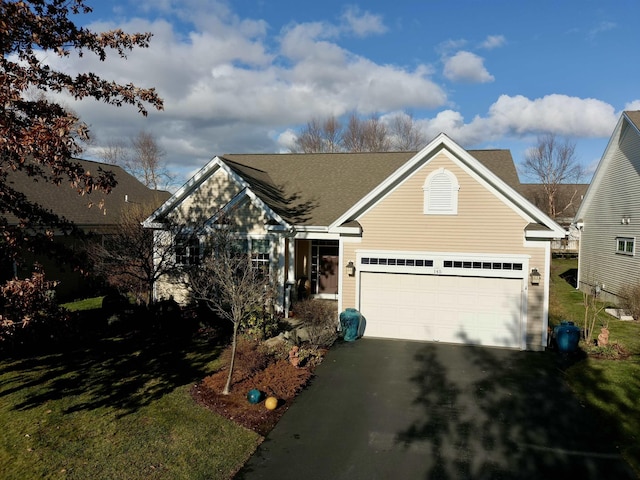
(324, 267)
(328, 275)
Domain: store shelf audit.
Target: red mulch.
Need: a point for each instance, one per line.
(275, 377)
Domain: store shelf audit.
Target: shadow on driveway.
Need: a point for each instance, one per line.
(381, 409)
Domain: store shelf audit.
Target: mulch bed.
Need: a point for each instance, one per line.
(254, 369)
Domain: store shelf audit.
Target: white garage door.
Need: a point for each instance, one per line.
(453, 309)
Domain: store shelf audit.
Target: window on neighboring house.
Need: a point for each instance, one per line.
(625, 245)
(187, 249)
(441, 193)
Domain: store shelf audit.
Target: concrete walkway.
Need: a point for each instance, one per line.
(385, 409)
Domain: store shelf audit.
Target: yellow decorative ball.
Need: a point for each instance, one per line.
(271, 403)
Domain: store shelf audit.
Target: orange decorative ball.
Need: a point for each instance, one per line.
(271, 403)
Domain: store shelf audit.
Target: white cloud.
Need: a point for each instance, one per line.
(601, 28)
(519, 117)
(363, 24)
(634, 105)
(448, 46)
(493, 41)
(228, 84)
(234, 85)
(466, 67)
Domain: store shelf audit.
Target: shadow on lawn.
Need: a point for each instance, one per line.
(125, 371)
(511, 416)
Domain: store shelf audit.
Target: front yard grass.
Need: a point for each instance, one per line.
(119, 408)
(612, 387)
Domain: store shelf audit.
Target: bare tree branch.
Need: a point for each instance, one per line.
(553, 163)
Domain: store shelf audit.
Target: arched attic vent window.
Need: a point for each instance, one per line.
(441, 193)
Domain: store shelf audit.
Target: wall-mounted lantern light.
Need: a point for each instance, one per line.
(351, 268)
(535, 277)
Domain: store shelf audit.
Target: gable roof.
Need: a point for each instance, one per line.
(545, 226)
(320, 190)
(628, 119)
(65, 201)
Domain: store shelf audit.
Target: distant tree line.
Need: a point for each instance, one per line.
(358, 134)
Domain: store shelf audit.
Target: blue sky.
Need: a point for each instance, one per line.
(244, 76)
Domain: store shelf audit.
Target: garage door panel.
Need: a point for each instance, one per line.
(485, 311)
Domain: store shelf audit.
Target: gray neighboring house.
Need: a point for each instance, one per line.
(83, 211)
(609, 216)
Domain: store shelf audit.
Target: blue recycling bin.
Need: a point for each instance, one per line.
(349, 323)
(567, 337)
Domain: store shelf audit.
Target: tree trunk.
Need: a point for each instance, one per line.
(227, 387)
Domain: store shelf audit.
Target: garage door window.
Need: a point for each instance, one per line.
(441, 193)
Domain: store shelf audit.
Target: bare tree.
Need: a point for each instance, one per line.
(228, 283)
(146, 162)
(376, 135)
(405, 134)
(133, 258)
(114, 153)
(142, 157)
(360, 135)
(353, 136)
(319, 137)
(553, 163)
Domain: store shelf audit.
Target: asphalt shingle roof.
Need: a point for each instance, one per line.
(634, 116)
(65, 201)
(317, 188)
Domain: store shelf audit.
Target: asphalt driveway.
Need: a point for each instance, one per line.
(386, 409)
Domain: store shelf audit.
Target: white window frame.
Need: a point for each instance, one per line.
(192, 252)
(259, 261)
(433, 208)
(625, 242)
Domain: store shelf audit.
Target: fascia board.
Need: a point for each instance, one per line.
(347, 230)
(465, 160)
(372, 196)
(523, 206)
(185, 190)
(609, 151)
(260, 204)
(545, 234)
(248, 194)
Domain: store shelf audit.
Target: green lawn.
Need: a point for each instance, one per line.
(117, 409)
(85, 304)
(611, 386)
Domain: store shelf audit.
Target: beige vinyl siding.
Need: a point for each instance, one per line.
(203, 202)
(617, 195)
(250, 219)
(349, 283)
(483, 222)
(535, 298)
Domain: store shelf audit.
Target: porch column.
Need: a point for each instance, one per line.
(291, 259)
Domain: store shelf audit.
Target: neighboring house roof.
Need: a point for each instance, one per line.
(65, 201)
(628, 119)
(634, 117)
(568, 198)
(326, 189)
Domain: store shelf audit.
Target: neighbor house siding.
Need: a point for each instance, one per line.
(617, 195)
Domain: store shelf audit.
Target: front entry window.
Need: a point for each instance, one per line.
(324, 267)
